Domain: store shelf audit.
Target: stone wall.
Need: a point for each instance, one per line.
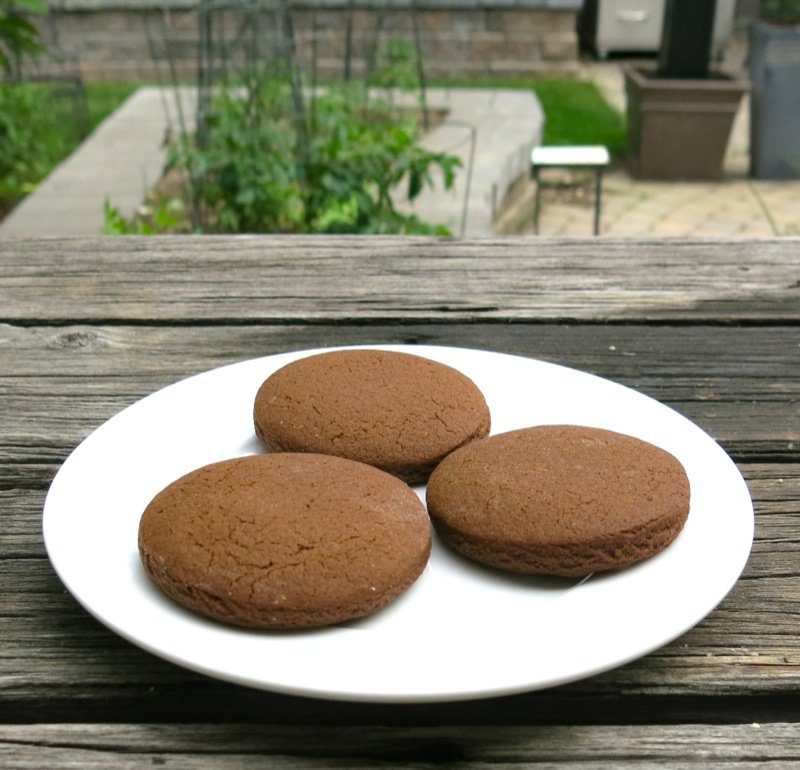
(119, 40)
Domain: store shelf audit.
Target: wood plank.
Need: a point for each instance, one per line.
(708, 327)
(89, 746)
(58, 384)
(775, 488)
(292, 278)
(51, 649)
(747, 360)
(743, 659)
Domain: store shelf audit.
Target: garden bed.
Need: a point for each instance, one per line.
(125, 157)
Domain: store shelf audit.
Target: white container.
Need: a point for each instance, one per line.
(635, 25)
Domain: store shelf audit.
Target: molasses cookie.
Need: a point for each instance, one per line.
(399, 412)
(559, 500)
(285, 541)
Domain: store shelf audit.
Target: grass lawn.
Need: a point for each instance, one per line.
(577, 113)
(575, 110)
(40, 125)
(104, 98)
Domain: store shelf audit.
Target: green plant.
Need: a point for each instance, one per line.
(395, 66)
(245, 177)
(252, 172)
(32, 139)
(19, 37)
(780, 11)
(359, 158)
(37, 131)
(165, 216)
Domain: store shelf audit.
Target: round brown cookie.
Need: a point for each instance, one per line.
(399, 412)
(285, 540)
(559, 500)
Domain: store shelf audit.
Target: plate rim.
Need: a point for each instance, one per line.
(360, 695)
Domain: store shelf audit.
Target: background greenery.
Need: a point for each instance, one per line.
(575, 110)
(37, 131)
(41, 124)
(577, 113)
(262, 159)
(275, 158)
(19, 36)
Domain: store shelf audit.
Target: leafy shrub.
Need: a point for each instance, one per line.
(262, 168)
(38, 130)
(243, 178)
(359, 156)
(166, 215)
(780, 11)
(19, 37)
(32, 139)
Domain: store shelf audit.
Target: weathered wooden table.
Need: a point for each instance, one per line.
(710, 328)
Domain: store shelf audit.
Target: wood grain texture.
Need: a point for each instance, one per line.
(202, 746)
(745, 654)
(286, 278)
(58, 384)
(88, 326)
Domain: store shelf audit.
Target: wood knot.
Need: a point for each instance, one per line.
(76, 338)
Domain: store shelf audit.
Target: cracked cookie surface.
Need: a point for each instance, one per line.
(399, 412)
(559, 499)
(285, 540)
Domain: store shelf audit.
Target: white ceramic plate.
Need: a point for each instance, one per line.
(461, 631)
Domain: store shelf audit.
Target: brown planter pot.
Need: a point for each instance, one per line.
(679, 129)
